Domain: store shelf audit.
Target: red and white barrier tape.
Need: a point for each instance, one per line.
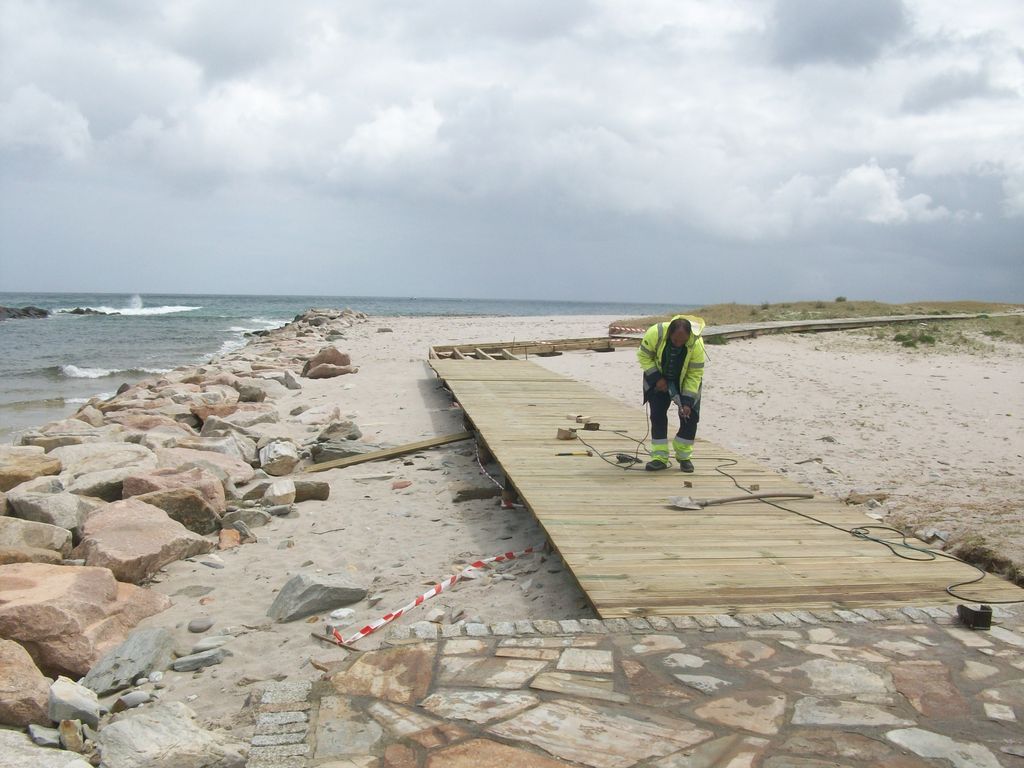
(434, 591)
(619, 329)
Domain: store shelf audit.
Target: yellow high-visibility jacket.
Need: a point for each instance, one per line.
(650, 354)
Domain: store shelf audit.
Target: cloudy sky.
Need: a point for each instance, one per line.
(661, 150)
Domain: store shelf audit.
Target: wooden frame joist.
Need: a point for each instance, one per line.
(515, 350)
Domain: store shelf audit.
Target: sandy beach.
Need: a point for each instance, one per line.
(942, 435)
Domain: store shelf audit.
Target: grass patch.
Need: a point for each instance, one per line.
(715, 341)
(724, 314)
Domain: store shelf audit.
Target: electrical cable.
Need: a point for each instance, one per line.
(862, 533)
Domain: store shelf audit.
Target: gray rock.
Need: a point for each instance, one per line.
(71, 701)
(166, 736)
(43, 736)
(339, 430)
(142, 652)
(209, 643)
(304, 595)
(130, 700)
(311, 490)
(282, 510)
(340, 449)
(200, 625)
(199, 660)
(253, 518)
(289, 380)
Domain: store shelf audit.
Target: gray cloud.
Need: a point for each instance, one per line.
(837, 31)
(952, 86)
(426, 149)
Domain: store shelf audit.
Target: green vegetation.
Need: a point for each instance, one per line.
(726, 314)
(914, 338)
(716, 341)
(840, 299)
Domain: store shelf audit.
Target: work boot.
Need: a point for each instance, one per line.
(654, 466)
(686, 465)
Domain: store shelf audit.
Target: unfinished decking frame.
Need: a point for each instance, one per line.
(634, 555)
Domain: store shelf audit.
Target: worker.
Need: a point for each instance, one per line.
(672, 357)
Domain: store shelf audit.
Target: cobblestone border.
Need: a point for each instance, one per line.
(934, 614)
(281, 738)
(282, 735)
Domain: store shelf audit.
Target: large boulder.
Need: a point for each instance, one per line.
(166, 736)
(305, 594)
(65, 510)
(94, 457)
(187, 506)
(67, 617)
(72, 432)
(327, 356)
(105, 484)
(279, 457)
(205, 483)
(237, 471)
(279, 493)
(144, 651)
(19, 534)
(135, 540)
(24, 691)
(251, 414)
(19, 464)
(144, 422)
(226, 445)
(19, 752)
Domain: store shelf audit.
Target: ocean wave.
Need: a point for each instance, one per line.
(268, 323)
(136, 311)
(227, 347)
(77, 372)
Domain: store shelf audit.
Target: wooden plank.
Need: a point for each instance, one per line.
(634, 554)
(506, 354)
(390, 453)
(481, 355)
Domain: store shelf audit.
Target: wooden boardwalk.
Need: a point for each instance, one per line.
(634, 555)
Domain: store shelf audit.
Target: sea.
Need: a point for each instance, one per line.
(50, 366)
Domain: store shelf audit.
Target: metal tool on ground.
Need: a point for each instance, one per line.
(575, 453)
(686, 502)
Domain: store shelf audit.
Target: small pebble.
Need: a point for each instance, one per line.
(200, 625)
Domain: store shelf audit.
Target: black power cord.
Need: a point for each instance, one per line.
(863, 533)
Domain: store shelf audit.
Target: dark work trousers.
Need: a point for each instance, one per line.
(660, 402)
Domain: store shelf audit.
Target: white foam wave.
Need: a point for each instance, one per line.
(74, 372)
(143, 311)
(77, 372)
(268, 323)
(84, 400)
(227, 347)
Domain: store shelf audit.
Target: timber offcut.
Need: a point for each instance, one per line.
(634, 554)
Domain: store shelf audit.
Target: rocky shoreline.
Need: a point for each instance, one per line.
(91, 507)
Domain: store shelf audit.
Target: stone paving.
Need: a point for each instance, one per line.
(897, 688)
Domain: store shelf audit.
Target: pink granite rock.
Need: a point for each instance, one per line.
(67, 617)
(19, 464)
(204, 483)
(326, 371)
(134, 540)
(238, 472)
(94, 457)
(327, 356)
(24, 692)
